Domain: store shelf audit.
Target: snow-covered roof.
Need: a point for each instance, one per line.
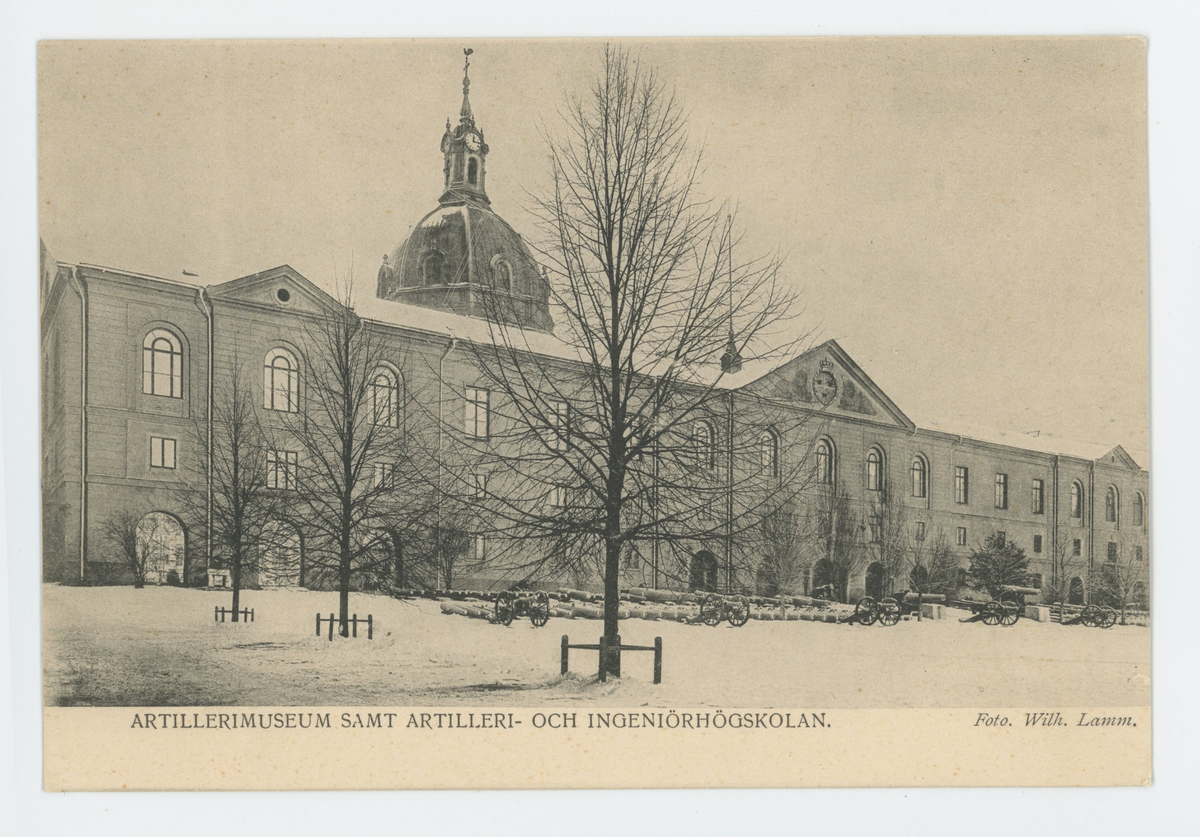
(1037, 441)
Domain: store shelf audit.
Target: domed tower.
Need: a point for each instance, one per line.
(462, 257)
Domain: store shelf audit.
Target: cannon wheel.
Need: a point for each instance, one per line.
(1107, 618)
(504, 609)
(1010, 612)
(739, 611)
(539, 610)
(1090, 616)
(711, 612)
(889, 612)
(991, 613)
(866, 611)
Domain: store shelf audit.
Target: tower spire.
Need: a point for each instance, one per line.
(465, 114)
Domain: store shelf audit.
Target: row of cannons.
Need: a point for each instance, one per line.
(712, 609)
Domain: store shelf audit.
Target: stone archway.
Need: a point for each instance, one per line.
(703, 577)
(162, 540)
(1075, 593)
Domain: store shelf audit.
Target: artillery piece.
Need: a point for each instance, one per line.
(510, 605)
(1095, 616)
(1005, 609)
(714, 609)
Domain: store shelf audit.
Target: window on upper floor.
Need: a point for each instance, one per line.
(920, 477)
(282, 468)
(768, 453)
(162, 364)
(961, 485)
(1111, 510)
(433, 268)
(875, 476)
(478, 409)
(162, 452)
(704, 440)
(384, 475)
(1139, 509)
(1038, 499)
(502, 275)
(479, 485)
(385, 398)
(281, 381)
(1002, 491)
(1077, 500)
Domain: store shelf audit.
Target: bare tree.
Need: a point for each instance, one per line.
(888, 534)
(243, 520)
(352, 489)
(1122, 583)
(594, 451)
(1065, 566)
(932, 567)
(838, 533)
(783, 545)
(122, 529)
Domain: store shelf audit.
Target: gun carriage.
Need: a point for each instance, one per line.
(715, 608)
(511, 605)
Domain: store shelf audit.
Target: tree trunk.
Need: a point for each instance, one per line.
(612, 592)
(236, 582)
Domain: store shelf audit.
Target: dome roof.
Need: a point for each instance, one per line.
(465, 258)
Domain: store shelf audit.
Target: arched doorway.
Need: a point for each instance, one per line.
(764, 582)
(162, 546)
(875, 579)
(1075, 595)
(824, 584)
(280, 556)
(704, 572)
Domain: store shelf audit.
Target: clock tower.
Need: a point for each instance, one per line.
(465, 153)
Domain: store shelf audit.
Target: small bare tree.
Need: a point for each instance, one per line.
(783, 541)
(595, 451)
(837, 532)
(1065, 565)
(243, 519)
(888, 535)
(1122, 583)
(123, 530)
(932, 567)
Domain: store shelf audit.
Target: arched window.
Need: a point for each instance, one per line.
(385, 398)
(162, 364)
(920, 477)
(1110, 505)
(874, 470)
(768, 453)
(706, 452)
(502, 275)
(472, 171)
(1139, 510)
(1077, 500)
(281, 382)
(826, 467)
(432, 267)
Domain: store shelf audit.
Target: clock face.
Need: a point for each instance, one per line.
(473, 142)
(824, 387)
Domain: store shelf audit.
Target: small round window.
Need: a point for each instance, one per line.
(283, 295)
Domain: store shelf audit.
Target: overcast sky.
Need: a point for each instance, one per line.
(966, 217)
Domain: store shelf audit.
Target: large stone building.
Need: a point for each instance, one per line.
(130, 363)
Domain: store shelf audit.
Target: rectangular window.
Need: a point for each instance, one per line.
(1112, 551)
(1077, 548)
(1137, 553)
(383, 474)
(1037, 543)
(480, 548)
(961, 488)
(282, 466)
(1002, 491)
(162, 452)
(920, 535)
(479, 485)
(876, 524)
(560, 426)
(962, 536)
(478, 403)
(558, 496)
(1039, 497)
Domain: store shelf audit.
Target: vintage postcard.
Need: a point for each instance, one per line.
(570, 413)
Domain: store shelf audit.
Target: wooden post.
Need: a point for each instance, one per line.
(603, 668)
(318, 624)
(251, 614)
(215, 609)
(331, 627)
(658, 659)
(370, 628)
(354, 626)
(566, 650)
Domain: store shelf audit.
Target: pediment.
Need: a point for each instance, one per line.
(1120, 457)
(828, 380)
(280, 287)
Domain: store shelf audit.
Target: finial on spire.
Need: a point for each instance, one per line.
(465, 114)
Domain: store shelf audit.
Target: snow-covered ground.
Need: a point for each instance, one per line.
(159, 646)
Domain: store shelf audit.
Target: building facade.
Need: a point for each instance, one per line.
(130, 364)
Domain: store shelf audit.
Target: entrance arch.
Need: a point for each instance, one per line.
(1075, 594)
(875, 579)
(703, 572)
(764, 582)
(162, 544)
(824, 579)
(280, 558)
